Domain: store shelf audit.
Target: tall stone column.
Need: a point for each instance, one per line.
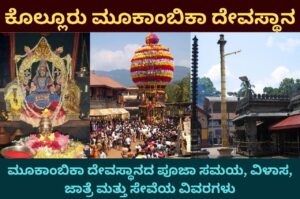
(224, 122)
(195, 126)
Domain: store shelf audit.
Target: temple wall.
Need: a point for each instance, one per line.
(251, 135)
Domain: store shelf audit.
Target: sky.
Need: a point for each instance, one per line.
(265, 58)
(110, 51)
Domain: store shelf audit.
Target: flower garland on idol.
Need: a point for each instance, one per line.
(55, 141)
(51, 145)
(56, 145)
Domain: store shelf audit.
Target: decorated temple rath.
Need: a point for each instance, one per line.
(45, 72)
(152, 68)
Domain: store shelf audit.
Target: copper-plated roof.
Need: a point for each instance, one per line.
(104, 81)
(291, 122)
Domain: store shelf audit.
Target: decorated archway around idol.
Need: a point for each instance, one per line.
(152, 68)
(43, 83)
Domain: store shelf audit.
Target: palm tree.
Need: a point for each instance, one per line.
(246, 89)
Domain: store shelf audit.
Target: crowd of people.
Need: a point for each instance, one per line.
(134, 139)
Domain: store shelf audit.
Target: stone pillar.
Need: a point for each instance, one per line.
(195, 127)
(224, 122)
(251, 136)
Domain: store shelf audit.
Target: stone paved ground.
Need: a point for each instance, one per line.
(213, 153)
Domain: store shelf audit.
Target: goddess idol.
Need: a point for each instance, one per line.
(43, 82)
(43, 92)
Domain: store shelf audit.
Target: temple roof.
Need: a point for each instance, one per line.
(260, 115)
(288, 123)
(104, 81)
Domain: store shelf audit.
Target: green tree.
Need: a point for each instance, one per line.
(297, 84)
(271, 91)
(183, 91)
(287, 86)
(170, 91)
(206, 88)
(246, 87)
(179, 91)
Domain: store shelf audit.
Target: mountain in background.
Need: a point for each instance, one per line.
(123, 75)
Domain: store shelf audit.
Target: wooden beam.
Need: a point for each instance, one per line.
(12, 41)
(75, 53)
